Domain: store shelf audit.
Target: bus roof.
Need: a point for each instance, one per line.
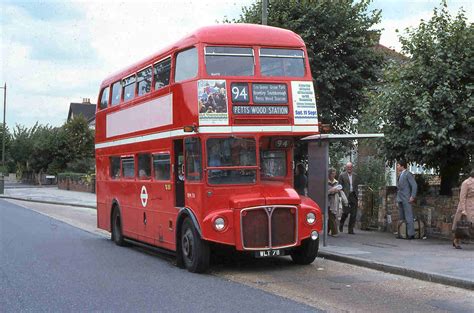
(223, 34)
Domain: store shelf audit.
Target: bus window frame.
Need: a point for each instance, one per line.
(124, 86)
(120, 101)
(100, 98)
(138, 81)
(134, 178)
(304, 57)
(204, 68)
(170, 74)
(153, 167)
(175, 60)
(255, 167)
(149, 178)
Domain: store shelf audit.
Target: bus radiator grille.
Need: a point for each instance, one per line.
(283, 227)
(268, 227)
(255, 229)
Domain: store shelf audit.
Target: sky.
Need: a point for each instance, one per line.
(57, 52)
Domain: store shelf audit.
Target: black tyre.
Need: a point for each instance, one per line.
(117, 235)
(306, 253)
(194, 250)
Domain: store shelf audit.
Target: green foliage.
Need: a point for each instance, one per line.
(339, 41)
(429, 103)
(372, 172)
(42, 149)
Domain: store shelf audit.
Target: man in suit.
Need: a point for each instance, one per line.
(349, 182)
(406, 193)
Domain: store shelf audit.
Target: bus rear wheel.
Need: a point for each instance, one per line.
(306, 253)
(117, 235)
(194, 249)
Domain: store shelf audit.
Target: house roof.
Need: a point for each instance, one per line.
(85, 109)
(391, 54)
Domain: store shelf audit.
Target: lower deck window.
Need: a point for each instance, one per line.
(128, 167)
(114, 167)
(161, 166)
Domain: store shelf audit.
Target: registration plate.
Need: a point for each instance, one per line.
(268, 253)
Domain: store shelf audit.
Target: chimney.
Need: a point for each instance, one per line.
(86, 100)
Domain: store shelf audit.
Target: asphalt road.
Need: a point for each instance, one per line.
(49, 266)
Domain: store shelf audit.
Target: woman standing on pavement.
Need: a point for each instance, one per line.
(333, 201)
(465, 206)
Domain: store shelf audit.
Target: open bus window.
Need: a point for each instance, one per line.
(104, 98)
(116, 93)
(162, 73)
(229, 61)
(114, 167)
(186, 65)
(144, 81)
(273, 164)
(129, 87)
(144, 166)
(282, 62)
(161, 166)
(128, 167)
(193, 159)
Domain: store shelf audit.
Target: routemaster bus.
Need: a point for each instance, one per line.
(194, 147)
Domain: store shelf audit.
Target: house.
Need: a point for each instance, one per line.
(86, 109)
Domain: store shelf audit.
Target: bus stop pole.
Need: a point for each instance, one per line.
(318, 160)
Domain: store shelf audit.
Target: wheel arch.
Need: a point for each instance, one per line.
(182, 215)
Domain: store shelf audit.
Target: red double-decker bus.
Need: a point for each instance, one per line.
(194, 147)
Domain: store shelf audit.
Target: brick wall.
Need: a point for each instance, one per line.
(68, 183)
(435, 211)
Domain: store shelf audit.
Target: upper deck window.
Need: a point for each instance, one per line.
(116, 93)
(186, 65)
(162, 73)
(104, 98)
(129, 88)
(282, 62)
(229, 61)
(144, 81)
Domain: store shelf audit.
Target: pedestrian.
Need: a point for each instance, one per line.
(406, 193)
(334, 201)
(465, 206)
(301, 181)
(349, 181)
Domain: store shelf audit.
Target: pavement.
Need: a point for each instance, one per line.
(433, 260)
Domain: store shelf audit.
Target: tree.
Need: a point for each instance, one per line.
(8, 139)
(429, 104)
(340, 43)
(77, 148)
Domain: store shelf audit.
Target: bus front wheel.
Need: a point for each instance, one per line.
(117, 235)
(194, 249)
(306, 253)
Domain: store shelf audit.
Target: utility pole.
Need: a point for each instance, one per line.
(264, 12)
(4, 126)
(2, 175)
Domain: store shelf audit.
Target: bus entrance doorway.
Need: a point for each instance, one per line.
(178, 173)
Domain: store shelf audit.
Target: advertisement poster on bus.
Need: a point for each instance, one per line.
(212, 100)
(304, 103)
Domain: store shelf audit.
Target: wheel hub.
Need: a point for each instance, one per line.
(187, 244)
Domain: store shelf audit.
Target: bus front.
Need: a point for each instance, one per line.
(255, 102)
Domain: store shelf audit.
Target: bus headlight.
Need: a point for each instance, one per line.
(219, 223)
(310, 218)
(314, 235)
